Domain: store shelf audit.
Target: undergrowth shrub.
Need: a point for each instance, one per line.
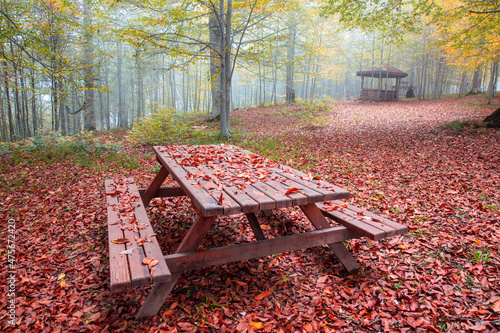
(165, 126)
(50, 146)
(459, 126)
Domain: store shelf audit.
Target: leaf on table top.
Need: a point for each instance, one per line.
(221, 199)
(120, 241)
(129, 251)
(292, 190)
(151, 262)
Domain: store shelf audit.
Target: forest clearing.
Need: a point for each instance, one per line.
(387, 105)
(429, 165)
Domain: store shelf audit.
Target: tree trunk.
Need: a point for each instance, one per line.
(226, 68)
(493, 120)
(215, 66)
(121, 120)
(34, 117)
(493, 81)
(476, 81)
(89, 114)
(290, 59)
(9, 104)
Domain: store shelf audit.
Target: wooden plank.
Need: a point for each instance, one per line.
(297, 197)
(201, 200)
(160, 272)
(247, 203)
(229, 206)
(139, 273)
(330, 191)
(254, 224)
(392, 228)
(154, 186)
(118, 263)
(281, 200)
(166, 192)
(265, 202)
(352, 223)
(327, 192)
(183, 261)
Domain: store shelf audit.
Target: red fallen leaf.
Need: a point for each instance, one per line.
(477, 327)
(186, 327)
(221, 199)
(94, 317)
(496, 306)
(256, 325)
(292, 190)
(242, 326)
(120, 241)
(263, 295)
(150, 262)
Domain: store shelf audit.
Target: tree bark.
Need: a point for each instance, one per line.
(290, 59)
(9, 104)
(493, 81)
(121, 120)
(226, 68)
(89, 114)
(476, 81)
(493, 120)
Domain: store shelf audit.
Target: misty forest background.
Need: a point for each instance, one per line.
(73, 65)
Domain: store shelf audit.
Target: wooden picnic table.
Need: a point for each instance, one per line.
(227, 180)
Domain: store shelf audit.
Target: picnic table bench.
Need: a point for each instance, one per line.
(225, 180)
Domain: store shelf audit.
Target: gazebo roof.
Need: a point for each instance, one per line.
(382, 71)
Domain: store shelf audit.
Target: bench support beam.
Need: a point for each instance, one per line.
(166, 192)
(181, 262)
(318, 220)
(150, 192)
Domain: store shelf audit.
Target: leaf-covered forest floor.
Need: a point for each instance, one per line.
(423, 164)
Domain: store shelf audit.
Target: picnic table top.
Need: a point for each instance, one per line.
(226, 180)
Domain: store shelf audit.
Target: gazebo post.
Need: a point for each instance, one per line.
(398, 80)
(362, 83)
(378, 89)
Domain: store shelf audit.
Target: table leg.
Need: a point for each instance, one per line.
(160, 291)
(254, 224)
(268, 212)
(318, 220)
(154, 186)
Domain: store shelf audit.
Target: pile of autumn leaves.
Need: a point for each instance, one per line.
(442, 276)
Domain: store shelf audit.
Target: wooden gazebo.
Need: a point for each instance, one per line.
(381, 92)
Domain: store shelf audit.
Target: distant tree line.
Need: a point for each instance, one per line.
(68, 66)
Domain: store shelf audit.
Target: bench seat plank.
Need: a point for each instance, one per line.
(160, 272)
(119, 274)
(362, 221)
(127, 219)
(398, 228)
